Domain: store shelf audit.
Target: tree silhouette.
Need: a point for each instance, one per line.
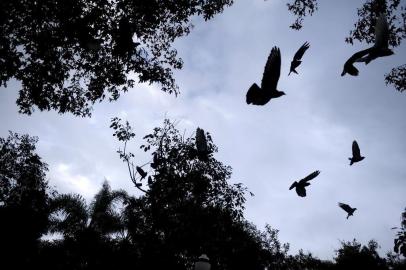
(24, 200)
(188, 208)
(70, 54)
(88, 231)
(400, 241)
(301, 8)
(352, 255)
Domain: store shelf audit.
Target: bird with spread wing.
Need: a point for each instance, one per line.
(350, 211)
(297, 59)
(303, 183)
(379, 49)
(356, 153)
(262, 95)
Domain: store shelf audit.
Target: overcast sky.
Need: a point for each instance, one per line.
(268, 147)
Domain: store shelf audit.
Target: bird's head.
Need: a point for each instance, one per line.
(281, 93)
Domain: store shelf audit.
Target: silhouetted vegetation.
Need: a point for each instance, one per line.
(188, 208)
(400, 241)
(24, 200)
(70, 54)
(301, 8)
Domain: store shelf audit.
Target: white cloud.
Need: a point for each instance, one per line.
(67, 180)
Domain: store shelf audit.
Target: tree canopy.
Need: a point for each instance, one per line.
(188, 207)
(69, 54)
(24, 199)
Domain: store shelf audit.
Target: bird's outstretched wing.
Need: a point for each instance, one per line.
(355, 149)
(310, 176)
(345, 207)
(381, 32)
(293, 185)
(356, 57)
(272, 70)
(254, 94)
(299, 54)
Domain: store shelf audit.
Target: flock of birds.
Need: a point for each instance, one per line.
(262, 95)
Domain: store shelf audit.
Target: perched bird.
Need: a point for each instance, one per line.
(201, 145)
(379, 49)
(356, 153)
(141, 172)
(303, 183)
(347, 209)
(297, 58)
(261, 95)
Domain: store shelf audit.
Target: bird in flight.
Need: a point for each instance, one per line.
(356, 153)
(379, 49)
(297, 58)
(349, 64)
(262, 95)
(350, 211)
(303, 183)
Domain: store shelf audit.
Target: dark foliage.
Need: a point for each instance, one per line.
(24, 200)
(352, 255)
(70, 54)
(370, 11)
(400, 241)
(301, 8)
(188, 208)
(397, 77)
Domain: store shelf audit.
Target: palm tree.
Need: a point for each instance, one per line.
(71, 215)
(89, 231)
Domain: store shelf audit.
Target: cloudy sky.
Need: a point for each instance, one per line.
(311, 128)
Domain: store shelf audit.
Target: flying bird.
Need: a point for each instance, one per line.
(303, 183)
(349, 64)
(379, 49)
(262, 95)
(297, 58)
(350, 211)
(356, 153)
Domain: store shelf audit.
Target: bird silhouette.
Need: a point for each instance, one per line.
(262, 95)
(356, 153)
(297, 58)
(201, 145)
(379, 49)
(350, 211)
(303, 183)
(349, 64)
(141, 172)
